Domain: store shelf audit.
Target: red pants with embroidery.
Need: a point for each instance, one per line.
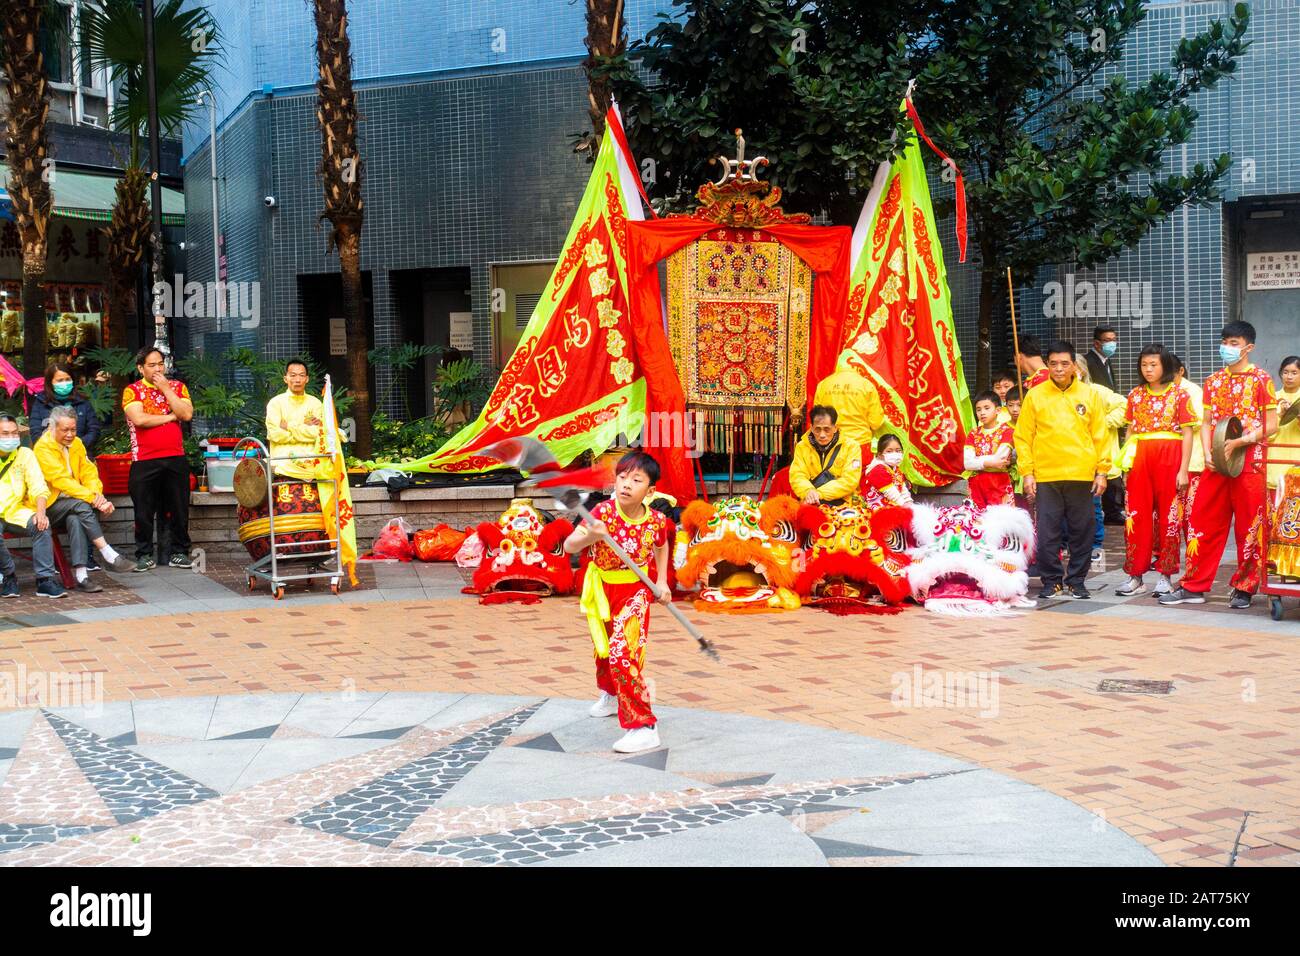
(621, 674)
(1222, 501)
(1152, 509)
(991, 488)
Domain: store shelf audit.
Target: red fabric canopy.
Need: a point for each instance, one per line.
(825, 249)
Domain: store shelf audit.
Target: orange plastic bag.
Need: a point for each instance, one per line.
(440, 543)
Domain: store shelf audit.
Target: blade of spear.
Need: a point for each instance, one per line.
(530, 455)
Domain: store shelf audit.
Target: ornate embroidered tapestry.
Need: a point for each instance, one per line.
(738, 316)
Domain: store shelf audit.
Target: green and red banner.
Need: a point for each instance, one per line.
(899, 331)
(584, 371)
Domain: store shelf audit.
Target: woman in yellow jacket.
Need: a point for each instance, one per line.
(1115, 404)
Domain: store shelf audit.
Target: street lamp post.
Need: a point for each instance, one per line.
(155, 184)
(216, 228)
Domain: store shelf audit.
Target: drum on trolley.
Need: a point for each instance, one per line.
(283, 524)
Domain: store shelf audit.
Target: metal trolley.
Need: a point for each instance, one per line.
(271, 567)
(1278, 586)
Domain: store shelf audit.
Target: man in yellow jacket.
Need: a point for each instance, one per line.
(1063, 452)
(827, 465)
(856, 402)
(76, 495)
(23, 497)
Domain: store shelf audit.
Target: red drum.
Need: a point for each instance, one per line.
(299, 521)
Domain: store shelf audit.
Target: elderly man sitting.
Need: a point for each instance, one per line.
(76, 495)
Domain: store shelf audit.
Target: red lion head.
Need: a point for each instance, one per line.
(852, 554)
(524, 554)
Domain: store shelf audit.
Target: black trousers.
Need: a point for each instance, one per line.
(161, 486)
(1064, 506)
(1112, 502)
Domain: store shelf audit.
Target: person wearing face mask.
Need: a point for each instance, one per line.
(23, 496)
(883, 483)
(61, 389)
(1105, 342)
(1243, 391)
(827, 466)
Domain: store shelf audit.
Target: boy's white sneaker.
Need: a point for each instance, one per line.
(637, 740)
(606, 705)
(1163, 584)
(1132, 586)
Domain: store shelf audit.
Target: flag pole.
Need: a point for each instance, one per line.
(1015, 334)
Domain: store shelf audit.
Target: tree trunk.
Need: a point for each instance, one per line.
(27, 109)
(34, 314)
(354, 310)
(988, 298)
(341, 171)
(605, 38)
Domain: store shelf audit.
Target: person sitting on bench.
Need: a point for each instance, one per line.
(76, 495)
(827, 465)
(23, 495)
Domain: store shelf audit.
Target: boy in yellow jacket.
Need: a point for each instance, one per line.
(1063, 452)
(827, 465)
(76, 495)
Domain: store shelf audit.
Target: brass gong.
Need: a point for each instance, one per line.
(250, 482)
(1225, 431)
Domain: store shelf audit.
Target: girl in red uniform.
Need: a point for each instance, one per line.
(988, 455)
(882, 481)
(617, 603)
(1160, 420)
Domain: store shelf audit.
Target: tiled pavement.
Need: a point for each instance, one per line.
(460, 779)
(1178, 773)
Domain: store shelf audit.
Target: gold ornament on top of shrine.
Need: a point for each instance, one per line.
(742, 200)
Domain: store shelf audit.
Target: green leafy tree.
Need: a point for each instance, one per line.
(815, 87)
(1064, 163)
(187, 47)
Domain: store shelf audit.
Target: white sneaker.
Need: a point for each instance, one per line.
(1133, 586)
(637, 740)
(1163, 584)
(605, 706)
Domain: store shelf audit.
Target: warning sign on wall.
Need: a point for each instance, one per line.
(1273, 270)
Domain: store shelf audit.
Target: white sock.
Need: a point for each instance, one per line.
(80, 573)
(109, 554)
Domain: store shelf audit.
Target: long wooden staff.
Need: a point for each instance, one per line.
(1015, 335)
(572, 501)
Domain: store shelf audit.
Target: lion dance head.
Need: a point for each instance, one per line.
(523, 554)
(971, 561)
(741, 555)
(854, 558)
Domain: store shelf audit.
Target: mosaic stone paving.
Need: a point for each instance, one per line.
(468, 780)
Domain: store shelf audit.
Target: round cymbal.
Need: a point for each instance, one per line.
(250, 483)
(1290, 415)
(1224, 464)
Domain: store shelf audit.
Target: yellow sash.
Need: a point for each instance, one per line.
(596, 603)
(1128, 454)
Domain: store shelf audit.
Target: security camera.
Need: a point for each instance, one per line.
(268, 202)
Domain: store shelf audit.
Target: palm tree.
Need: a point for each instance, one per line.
(340, 172)
(186, 45)
(27, 147)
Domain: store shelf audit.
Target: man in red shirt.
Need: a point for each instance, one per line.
(160, 476)
(1245, 391)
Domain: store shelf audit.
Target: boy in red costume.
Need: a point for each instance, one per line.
(617, 603)
(1238, 389)
(988, 454)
